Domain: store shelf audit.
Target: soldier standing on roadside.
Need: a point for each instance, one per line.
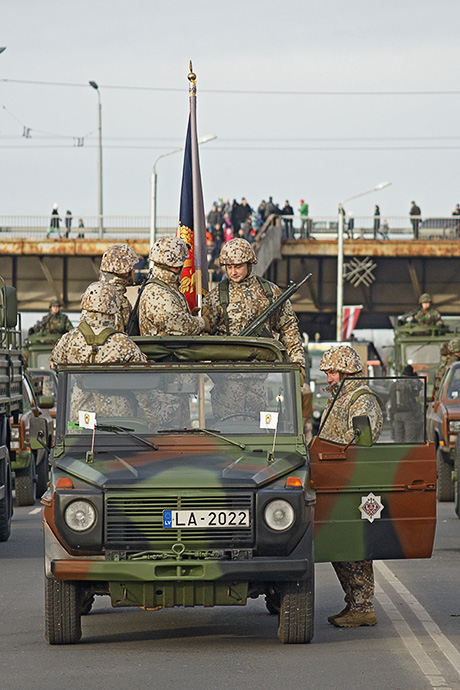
(54, 322)
(117, 268)
(163, 309)
(342, 363)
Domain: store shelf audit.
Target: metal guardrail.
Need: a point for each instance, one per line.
(293, 227)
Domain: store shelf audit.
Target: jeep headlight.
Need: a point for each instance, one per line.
(454, 425)
(279, 515)
(80, 515)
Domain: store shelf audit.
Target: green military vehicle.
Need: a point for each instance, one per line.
(420, 346)
(11, 402)
(186, 481)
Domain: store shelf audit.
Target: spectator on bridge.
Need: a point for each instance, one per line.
(270, 209)
(214, 218)
(81, 226)
(288, 230)
(68, 222)
(54, 222)
(376, 221)
(349, 227)
(305, 225)
(415, 211)
(244, 212)
(456, 212)
(227, 228)
(234, 216)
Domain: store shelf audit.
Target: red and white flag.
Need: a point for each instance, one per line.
(350, 319)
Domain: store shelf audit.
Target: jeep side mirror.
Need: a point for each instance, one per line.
(46, 402)
(362, 430)
(38, 433)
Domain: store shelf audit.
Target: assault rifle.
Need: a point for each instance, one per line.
(257, 326)
(133, 323)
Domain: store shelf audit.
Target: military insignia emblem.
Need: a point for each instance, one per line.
(371, 507)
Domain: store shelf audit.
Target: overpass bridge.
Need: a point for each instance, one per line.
(386, 276)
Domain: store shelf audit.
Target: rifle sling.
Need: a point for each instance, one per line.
(95, 340)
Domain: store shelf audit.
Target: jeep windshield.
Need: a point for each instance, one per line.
(227, 401)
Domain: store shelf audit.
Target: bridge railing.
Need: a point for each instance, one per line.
(293, 227)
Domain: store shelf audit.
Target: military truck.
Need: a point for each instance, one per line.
(420, 346)
(186, 481)
(11, 368)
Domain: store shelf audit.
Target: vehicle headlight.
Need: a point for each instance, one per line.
(279, 515)
(316, 414)
(80, 515)
(454, 425)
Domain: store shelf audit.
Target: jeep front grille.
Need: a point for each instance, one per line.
(136, 521)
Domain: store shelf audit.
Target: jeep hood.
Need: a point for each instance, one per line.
(205, 464)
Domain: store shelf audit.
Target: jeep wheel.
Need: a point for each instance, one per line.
(42, 477)
(62, 611)
(445, 486)
(24, 485)
(6, 503)
(295, 623)
(457, 480)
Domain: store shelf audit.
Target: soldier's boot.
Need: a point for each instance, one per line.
(354, 619)
(331, 619)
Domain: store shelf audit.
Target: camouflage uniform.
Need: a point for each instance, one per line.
(163, 309)
(247, 300)
(356, 398)
(52, 323)
(117, 264)
(100, 305)
(426, 317)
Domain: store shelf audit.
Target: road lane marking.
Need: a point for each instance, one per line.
(34, 510)
(441, 641)
(413, 646)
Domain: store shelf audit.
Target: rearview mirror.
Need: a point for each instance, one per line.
(38, 433)
(362, 430)
(46, 402)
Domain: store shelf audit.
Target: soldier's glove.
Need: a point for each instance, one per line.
(204, 311)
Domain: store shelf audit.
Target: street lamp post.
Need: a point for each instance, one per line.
(340, 229)
(153, 186)
(99, 158)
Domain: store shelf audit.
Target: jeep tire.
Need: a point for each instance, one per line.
(296, 616)
(62, 611)
(6, 502)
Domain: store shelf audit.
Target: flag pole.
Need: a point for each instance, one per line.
(198, 210)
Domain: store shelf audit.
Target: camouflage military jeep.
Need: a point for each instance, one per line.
(195, 487)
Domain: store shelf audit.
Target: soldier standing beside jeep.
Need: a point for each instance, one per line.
(342, 363)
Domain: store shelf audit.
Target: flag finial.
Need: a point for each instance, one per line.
(192, 75)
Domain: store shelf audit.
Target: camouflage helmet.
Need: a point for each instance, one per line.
(343, 358)
(119, 258)
(237, 251)
(453, 346)
(169, 251)
(55, 302)
(101, 297)
(445, 348)
(425, 297)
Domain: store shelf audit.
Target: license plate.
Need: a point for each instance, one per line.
(209, 519)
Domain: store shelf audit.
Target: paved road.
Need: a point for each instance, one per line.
(415, 645)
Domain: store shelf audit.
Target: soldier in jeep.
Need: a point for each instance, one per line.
(163, 309)
(242, 296)
(426, 315)
(344, 367)
(96, 340)
(117, 269)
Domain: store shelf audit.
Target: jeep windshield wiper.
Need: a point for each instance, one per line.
(125, 430)
(209, 432)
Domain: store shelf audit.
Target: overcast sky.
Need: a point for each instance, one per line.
(323, 148)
